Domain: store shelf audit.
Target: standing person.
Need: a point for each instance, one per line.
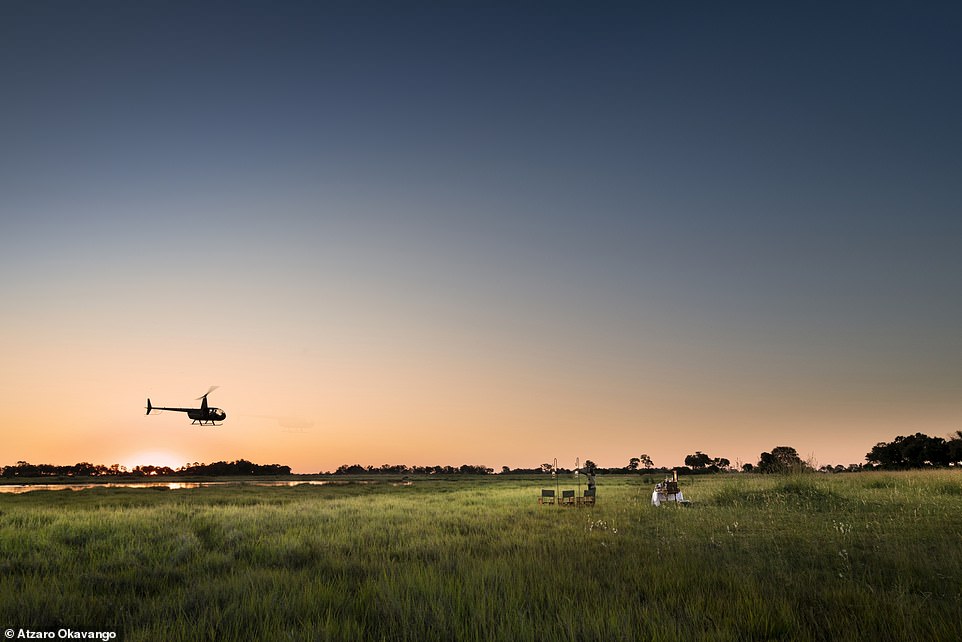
(590, 493)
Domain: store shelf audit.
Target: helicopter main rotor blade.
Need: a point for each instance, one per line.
(212, 389)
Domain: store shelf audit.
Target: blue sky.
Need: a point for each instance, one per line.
(736, 225)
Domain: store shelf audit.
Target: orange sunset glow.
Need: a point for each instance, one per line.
(491, 248)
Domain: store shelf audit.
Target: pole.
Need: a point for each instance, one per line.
(578, 474)
(557, 488)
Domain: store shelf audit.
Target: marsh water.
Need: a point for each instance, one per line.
(24, 488)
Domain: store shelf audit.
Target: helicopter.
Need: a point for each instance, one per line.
(205, 415)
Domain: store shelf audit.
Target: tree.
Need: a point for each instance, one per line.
(914, 451)
(782, 459)
(84, 469)
(698, 461)
(633, 463)
(954, 450)
(590, 466)
(646, 461)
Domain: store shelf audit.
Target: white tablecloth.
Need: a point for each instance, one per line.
(657, 497)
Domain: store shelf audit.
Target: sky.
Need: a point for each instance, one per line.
(478, 232)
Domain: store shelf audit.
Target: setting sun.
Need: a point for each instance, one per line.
(159, 458)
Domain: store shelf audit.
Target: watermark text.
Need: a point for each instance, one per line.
(59, 634)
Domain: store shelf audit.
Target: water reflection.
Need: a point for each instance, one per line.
(25, 488)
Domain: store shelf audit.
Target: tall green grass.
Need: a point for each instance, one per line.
(866, 556)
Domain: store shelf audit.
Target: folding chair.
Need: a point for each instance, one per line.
(589, 498)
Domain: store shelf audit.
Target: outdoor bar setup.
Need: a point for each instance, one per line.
(668, 491)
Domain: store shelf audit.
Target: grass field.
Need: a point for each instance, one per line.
(814, 557)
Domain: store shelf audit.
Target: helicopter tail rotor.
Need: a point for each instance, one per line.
(149, 407)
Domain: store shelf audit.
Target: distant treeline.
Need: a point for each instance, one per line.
(468, 469)
(916, 451)
(401, 469)
(913, 451)
(85, 469)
